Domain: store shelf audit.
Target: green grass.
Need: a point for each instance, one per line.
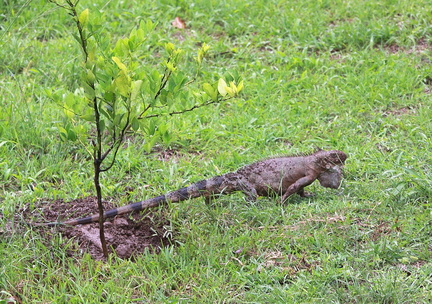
(348, 75)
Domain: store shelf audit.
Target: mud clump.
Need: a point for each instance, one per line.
(127, 235)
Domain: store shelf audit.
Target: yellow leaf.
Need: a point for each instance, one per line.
(83, 17)
(123, 84)
(231, 91)
(169, 47)
(120, 65)
(205, 47)
(136, 86)
(222, 87)
(68, 112)
(240, 86)
(170, 66)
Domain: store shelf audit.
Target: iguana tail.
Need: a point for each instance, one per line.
(204, 188)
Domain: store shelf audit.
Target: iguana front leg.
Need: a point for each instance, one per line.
(298, 187)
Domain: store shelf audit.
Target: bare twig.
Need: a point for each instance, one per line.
(186, 110)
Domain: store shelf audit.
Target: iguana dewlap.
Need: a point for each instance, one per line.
(284, 175)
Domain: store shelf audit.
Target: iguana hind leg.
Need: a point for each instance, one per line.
(248, 190)
(303, 193)
(209, 199)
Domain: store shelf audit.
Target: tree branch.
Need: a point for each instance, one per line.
(163, 84)
(185, 110)
(116, 145)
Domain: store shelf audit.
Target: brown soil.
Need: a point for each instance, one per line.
(126, 235)
(400, 111)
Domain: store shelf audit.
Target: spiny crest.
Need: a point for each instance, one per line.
(298, 154)
(304, 154)
(281, 156)
(327, 158)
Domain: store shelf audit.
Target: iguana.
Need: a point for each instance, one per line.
(280, 175)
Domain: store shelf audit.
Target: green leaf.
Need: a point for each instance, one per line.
(101, 125)
(136, 38)
(88, 91)
(140, 35)
(69, 113)
(148, 145)
(90, 77)
(109, 96)
(71, 135)
(166, 137)
(162, 128)
(163, 97)
(135, 124)
(118, 118)
(67, 133)
(148, 26)
(211, 92)
(135, 90)
(69, 100)
(106, 111)
(88, 117)
(121, 48)
(151, 127)
(78, 39)
(63, 133)
(154, 81)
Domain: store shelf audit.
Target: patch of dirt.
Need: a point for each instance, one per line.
(171, 154)
(421, 46)
(400, 111)
(168, 154)
(374, 232)
(330, 219)
(287, 262)
(126, 235)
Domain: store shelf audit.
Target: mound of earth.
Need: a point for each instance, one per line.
(127, 235)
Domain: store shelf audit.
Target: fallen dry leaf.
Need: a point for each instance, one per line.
(178, 23)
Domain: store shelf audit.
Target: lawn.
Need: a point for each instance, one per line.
(349, 75)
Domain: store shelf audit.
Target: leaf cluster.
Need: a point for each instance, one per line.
(121, 93)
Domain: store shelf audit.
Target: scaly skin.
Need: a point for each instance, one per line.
(281, 175)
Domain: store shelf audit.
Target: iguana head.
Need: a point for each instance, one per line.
(331, 178)
(331, 162)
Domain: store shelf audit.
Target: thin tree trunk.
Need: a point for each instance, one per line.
(97, 164)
